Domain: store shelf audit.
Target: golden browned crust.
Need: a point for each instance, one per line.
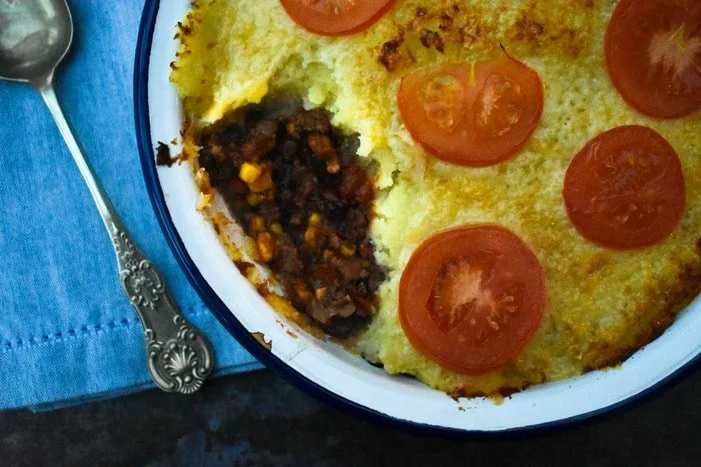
(455, 25)
(590, 323)
(261, 339)
(686, 287)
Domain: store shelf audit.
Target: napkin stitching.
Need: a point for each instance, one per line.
(73, 333)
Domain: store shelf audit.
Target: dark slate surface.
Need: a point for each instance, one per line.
(259, 419)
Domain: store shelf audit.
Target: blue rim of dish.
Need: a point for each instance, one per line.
(238, 331)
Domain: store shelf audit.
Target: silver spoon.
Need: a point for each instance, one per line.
(34, 37)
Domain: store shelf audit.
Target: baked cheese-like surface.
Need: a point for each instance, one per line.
(601, 304)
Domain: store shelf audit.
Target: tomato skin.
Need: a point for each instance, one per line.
(356, 19)
(510, 272)
(649, 48)
(625, 189)
(500, 108)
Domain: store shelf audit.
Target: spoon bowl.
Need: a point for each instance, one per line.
(34, 38)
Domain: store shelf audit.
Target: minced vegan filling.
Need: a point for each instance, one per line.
(294, 184)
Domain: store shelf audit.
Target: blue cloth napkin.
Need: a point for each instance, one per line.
(67, 332)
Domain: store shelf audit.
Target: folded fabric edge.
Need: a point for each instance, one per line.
(234, 369)
(106, 364)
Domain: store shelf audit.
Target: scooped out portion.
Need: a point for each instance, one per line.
(294, 184)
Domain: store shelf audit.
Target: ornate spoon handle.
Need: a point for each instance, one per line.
(179, 357)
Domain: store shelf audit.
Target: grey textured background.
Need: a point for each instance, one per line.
(259, 419)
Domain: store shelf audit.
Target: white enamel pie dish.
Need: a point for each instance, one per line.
(322, 368)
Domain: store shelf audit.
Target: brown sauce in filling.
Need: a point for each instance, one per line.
(294, 184)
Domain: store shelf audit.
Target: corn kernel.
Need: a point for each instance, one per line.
(250, 172)
(347, 250)
(262, 183)
(277, 228)
(319, 293)
(253, 199)
(314, 219)
(257, 223)
(310, 235)
(265, 245)
(291, 129)
(303, 292)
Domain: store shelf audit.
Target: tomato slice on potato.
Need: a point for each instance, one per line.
(471, 298)
(472, 114)
(653, 55)
(336, 17)
(625, 189)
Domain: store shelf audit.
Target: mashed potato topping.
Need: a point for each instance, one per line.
(601, 304)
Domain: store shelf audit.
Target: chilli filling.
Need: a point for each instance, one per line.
(293, 182)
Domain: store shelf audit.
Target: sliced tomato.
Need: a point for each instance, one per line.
(472, 297)
(625, 189)
(653, 55)
(336, 17)
(472, 114)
